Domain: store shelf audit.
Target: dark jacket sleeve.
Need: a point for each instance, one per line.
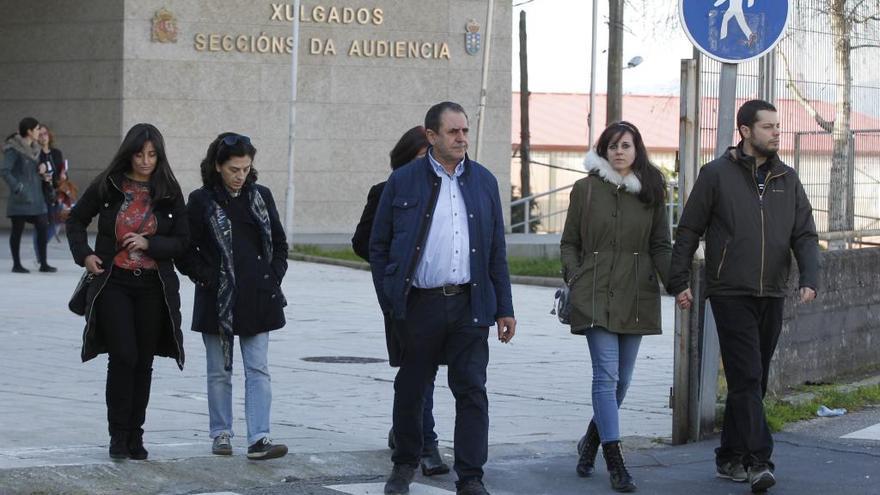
(805, 241)
(360, 242)
(8, 174)
(176, 243)
(279, 238)
(570, 246)
(380, 243)
(80, 217)
(193, 263)
(498, 270)
(694, 220)
(661, 246)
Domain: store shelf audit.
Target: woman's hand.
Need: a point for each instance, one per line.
(135, 242)
(93, 264)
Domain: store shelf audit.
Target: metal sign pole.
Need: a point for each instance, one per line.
(294, 65)
(481, 115)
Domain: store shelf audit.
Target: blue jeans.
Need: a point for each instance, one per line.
(613, 357)
(257, 386)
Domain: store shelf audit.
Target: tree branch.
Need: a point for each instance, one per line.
(854, 47)
(811, 110)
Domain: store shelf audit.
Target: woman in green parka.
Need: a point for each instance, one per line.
(614, 246)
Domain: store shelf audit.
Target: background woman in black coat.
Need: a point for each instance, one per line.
(237, 259)
(413, 144)
(133, 302)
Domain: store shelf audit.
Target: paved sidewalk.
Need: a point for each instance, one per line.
(52, 406)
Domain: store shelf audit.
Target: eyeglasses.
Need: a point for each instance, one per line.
(233, 139)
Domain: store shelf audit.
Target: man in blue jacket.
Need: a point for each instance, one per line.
(439, 264)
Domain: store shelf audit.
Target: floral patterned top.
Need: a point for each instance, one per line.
(130, 217)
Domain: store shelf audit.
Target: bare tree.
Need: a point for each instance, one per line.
(845, 16)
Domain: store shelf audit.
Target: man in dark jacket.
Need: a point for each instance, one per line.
(439, 263)
(754, 212)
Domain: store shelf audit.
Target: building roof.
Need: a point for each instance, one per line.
(558, 121)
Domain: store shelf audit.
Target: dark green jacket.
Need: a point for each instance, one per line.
(749, 236)
(611, 257)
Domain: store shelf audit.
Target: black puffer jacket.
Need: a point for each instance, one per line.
(170, 240)
(749, 236)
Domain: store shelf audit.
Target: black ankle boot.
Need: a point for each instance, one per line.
(119, 445)
(587, 449)
(136, 448)
(621, 481)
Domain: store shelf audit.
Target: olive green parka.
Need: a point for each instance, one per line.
(612, 253)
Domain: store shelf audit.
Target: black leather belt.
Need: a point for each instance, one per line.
(446, 290)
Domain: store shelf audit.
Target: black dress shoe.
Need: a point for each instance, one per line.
(471, 487)
(432, 462)
(399, 479)
(19, 269)
(48, 269)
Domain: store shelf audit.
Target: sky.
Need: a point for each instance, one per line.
(559, 46)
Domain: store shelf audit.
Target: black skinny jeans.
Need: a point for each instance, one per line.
(41, 223)
(131, 314)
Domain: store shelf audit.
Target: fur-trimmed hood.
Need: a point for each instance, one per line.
(595, 163)
(17, 143)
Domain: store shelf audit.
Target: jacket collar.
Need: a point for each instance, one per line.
(429, 168)
(17, 143)
(597, 165)
(737, 155)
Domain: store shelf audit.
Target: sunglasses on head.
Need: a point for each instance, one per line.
(233, 139)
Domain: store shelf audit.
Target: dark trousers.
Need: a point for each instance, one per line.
(41, 224)
(748, 330)
(440, 326)
(394, 352)
(131, 314)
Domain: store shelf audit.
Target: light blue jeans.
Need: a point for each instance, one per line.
(613, 357)
(257, 386)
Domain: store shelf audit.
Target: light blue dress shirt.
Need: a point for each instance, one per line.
(446, 257)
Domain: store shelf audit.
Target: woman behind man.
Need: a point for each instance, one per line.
(52, 169)
(413, 144)
(26, 203)
(133, 301)
(614, 244)
(237, 259)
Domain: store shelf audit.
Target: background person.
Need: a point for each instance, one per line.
(26, 203)
(133, 303)
(614, 245)
(237, 258)
(51, 167)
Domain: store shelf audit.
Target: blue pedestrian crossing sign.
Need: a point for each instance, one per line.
(734, 31)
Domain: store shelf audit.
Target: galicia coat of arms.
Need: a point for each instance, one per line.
(472, 38)
(164, 27)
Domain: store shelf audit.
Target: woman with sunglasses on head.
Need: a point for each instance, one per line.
(614, 245)
(133, 301)
(237, 258)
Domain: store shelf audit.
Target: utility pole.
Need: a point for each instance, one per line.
(525, 145)
(614, 103)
